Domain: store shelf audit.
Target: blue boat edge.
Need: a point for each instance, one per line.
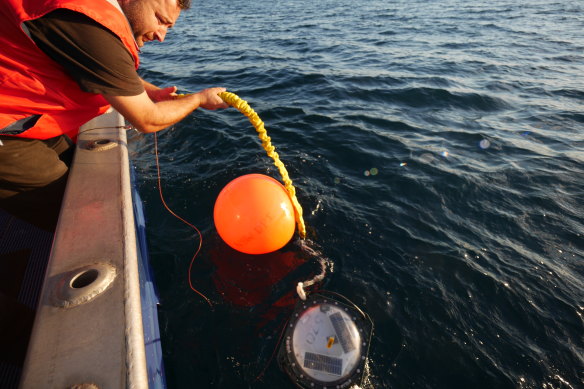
(149, 296)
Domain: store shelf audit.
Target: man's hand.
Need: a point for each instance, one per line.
(209, 98)
(157, 95)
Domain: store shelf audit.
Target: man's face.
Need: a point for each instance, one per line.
(150, 19)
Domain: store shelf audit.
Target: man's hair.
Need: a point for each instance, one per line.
(184, 4)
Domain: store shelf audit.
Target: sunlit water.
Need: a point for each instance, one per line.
(437, 150)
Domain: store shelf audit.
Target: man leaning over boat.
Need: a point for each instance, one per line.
(63, 62)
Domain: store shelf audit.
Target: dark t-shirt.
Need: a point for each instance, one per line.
(90, 53)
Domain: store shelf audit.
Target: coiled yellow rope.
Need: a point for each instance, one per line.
(243, 107)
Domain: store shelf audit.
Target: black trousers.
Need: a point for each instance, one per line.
(33, 176)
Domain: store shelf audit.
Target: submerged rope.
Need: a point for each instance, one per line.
(243, 107)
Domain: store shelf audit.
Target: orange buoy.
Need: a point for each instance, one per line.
(254, 214)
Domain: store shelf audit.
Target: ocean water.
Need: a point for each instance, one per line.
(437, 151)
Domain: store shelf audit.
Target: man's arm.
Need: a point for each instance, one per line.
(147, 115)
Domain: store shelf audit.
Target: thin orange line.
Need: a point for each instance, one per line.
(181, 219)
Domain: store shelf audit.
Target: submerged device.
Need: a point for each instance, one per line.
(326, 343)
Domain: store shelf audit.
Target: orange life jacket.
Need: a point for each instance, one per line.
(36, 94)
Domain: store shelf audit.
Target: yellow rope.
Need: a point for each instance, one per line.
(243, 107)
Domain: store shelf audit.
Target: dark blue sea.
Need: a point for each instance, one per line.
(437, 148)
